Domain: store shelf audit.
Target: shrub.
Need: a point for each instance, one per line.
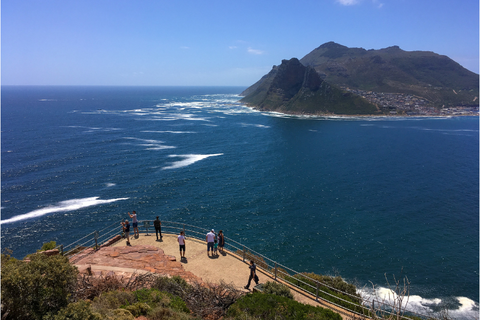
(161, 313)
(277, 289)
(121, 314)
(75, 311)
(352, 300)
(175, 285)
(138, 309)
(108, 301)
(48, 246)
(270, 306)
(34, 289)
(154, 297)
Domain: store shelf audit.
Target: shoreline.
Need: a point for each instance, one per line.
(333, 115)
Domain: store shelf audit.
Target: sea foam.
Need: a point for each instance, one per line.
(62, 206)
(414, 303)
(188, 160)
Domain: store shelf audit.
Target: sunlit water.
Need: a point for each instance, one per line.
(358, 197)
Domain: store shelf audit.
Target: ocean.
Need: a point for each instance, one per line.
(359, 197)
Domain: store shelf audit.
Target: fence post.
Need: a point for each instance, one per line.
(275, 271)
(61, 249)
(96, 239)
(243, 253)
(316, 296)
(184, 228)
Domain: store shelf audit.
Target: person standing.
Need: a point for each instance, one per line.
(158, 227)
(126, 230)
(221, 240)
(210, 238)
(133, 216)
(181, 242)
(253, 274)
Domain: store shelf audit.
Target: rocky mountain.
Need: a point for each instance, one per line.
(434, 77)
(296, 89)
(334, 79)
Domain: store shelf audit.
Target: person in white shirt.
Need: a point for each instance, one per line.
(181, 242)
(210, 241)
(133, 216)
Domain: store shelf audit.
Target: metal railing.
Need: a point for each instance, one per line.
(278, 271)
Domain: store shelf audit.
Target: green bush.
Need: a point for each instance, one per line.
(48, 246)
(175, 285)
(277, 289)
(113, 300)
(336, 295)
(121, 314)
(161, 313)
(138, 309)
(37, 288)
(154, 297)
(270, 306)
(75, 311)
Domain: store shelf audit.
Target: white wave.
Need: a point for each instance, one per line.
(188, 159)
(151, 144)
(177, 116)
(62, 206)
(254, 125)
(468, 308)
(95, 129)
(152, 131)
(109, 184)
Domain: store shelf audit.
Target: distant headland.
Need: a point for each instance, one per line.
(337, 80)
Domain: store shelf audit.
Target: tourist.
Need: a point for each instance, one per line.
(158, 227)
(221, 240)
(253, 274)
(133, 216)
(215, 245)
(126, 230)
(181, 242)
(210, 238)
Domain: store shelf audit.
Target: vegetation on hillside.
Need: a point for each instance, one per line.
(434, 77)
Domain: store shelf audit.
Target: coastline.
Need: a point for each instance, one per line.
(344, 116)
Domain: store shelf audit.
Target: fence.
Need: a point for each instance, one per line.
(278, 271)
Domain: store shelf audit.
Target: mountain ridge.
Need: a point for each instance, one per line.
(356, 77)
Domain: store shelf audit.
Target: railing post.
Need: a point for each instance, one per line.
(61, 249)
(316, 296)
(275, 271)
(243, 253)
(96, 239)
(184, 228)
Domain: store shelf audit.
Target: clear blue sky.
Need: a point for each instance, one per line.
(213, 42)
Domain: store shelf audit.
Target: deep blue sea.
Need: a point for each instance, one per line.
(358, 197)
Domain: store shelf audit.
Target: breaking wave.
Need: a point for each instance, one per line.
(62, 206)
(188, 159)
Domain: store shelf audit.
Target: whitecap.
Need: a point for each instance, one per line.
(254, 125)
(414, 303)
(110, 184)
(175, 132)
(188, 160)
(62, 206)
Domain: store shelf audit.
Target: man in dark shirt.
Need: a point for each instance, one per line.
(158, 227)
(253, 274)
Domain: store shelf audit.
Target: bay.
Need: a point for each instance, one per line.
(359, 197)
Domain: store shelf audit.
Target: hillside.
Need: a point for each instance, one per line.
(294, 88)
(434, 77)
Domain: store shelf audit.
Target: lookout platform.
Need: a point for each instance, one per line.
(146, 254)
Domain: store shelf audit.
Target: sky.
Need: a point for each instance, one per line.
(213, 42)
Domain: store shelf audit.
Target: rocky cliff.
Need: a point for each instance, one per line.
(294, 88)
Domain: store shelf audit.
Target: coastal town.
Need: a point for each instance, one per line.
(411, 105)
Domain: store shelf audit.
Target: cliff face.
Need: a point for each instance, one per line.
(294, 88)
